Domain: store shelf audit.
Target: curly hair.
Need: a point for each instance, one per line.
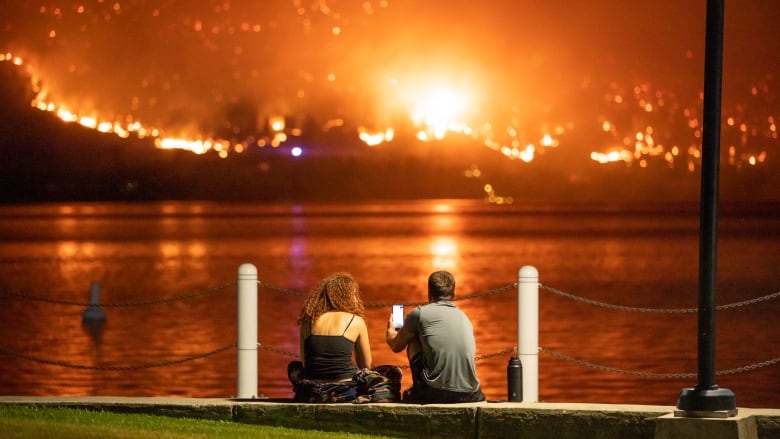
(337, 292)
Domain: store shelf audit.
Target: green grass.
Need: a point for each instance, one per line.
(17, 422)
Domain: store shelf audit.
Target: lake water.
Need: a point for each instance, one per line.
(142, 254)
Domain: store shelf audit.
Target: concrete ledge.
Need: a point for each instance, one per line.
(401, 420)
(768, 424)
(741, 426)
(568, 421)
(452, 421)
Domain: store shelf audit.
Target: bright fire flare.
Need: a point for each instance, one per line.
(612, 156)
(373, 139)
(439, 111)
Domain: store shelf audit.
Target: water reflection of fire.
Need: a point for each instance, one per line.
(444, 251)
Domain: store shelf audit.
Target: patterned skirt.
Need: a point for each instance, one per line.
(381, 384)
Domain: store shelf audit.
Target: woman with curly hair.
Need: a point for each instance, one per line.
(332, 328)
(333, 331)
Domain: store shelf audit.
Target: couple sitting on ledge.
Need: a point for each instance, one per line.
(438, 338)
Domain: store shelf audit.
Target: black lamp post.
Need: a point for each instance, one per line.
(707, 399)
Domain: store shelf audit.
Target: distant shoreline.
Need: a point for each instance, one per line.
(43, 159)
(769, 208)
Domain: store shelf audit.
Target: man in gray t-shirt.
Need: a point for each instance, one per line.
(439, 341)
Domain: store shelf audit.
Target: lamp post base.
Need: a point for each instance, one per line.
(712, 402)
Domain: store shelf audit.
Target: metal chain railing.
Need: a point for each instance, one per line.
(116, 367)
(656, 310)
(487, 293)
(296, 355)
(298, 293)
(581, 363)
(588, 364)
(199, 293)
(615, 370)
(279, 351)
(291, 354)
(501, 289)
(495, 354)
(749, 301)
(281, 290)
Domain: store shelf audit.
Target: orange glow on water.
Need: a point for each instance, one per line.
(444, 252)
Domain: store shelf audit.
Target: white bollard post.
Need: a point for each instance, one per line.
(247, 331)
(528, 330)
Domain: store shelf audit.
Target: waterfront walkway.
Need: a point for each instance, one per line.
(468, 421)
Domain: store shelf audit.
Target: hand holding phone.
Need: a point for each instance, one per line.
(398, 316)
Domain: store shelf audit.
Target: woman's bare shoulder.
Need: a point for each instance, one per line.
(337, 322)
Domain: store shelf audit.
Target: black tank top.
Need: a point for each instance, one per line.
(329, 357)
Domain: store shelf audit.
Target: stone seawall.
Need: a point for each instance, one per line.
(467, 421)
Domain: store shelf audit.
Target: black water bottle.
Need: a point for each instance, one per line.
(514, 380)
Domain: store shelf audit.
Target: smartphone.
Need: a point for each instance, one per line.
(398, 316)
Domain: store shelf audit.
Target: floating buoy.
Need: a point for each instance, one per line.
(94, 316)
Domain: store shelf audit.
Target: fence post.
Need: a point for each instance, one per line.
(247, 331)
(528, 330)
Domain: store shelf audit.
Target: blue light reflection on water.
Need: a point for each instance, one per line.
(642, 256)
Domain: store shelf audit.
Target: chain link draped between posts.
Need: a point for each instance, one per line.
(294, 355)
(301, 294)
(588, 364)
(564, 357)
(657, 310)
(199, 293)
(513, 286)
(579, 362)
(116, 367)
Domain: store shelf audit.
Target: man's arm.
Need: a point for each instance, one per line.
(398, 339)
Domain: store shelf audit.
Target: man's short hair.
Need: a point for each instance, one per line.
(441, 285)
